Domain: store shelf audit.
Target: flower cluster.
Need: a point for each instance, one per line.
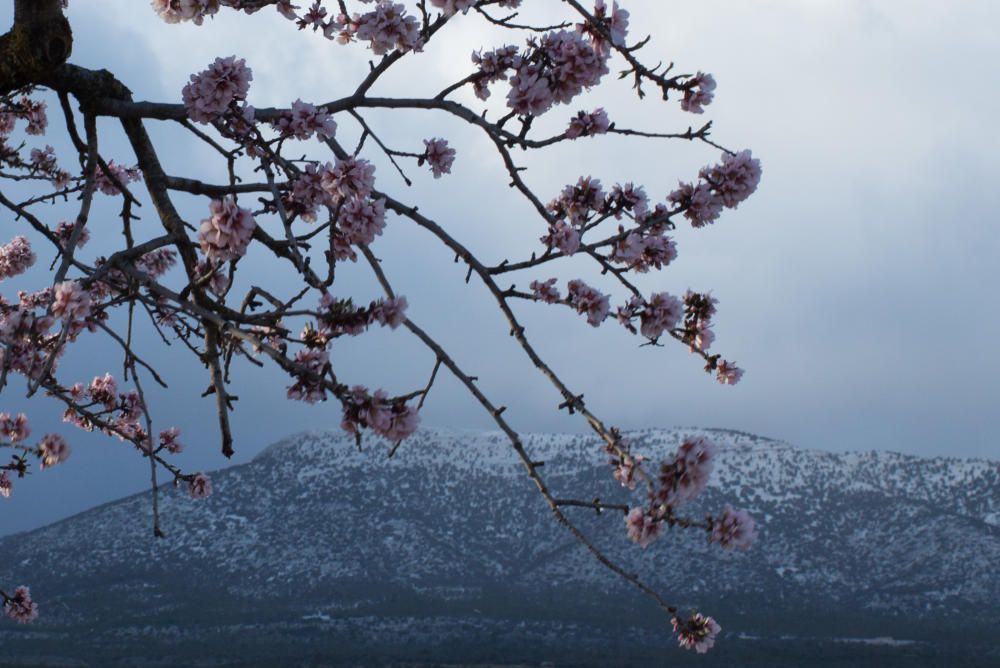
(554, 70)
(214, 92)
(71, 302)
(394, 420)
(724, 185)
(660, 313)
(588, 301)
(200, 486)
(304, 120)
(20, 607)
(385, 28)
(439, 156)
(697, 632)
(698, 92)
(733, 529)
(108, 181)
(64, 232)
(16, 257)
(53, 450)
(588, 124)
(614, 24)
(226, 233)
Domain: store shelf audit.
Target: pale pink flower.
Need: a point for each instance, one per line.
(309, 387)
(662, 313)
(71, 301)
(702, 205)
(361, 221)
(587, 125)
(20, 607)
(546, 291)
(351, 178)
(15, 429)
(34, 113)
(588, 301)
(213, 91)
(385, 28)
(698, 93)
(578, 201)
(449, 7)
(176, 11)
(104, 390)
(157, 262)
(693, 466)
(54, 449)
(304, 120)
(169, 440)
(642, 529)
(212, 277)
(697, 632)
(16, 257)
(6, 486)
(438, 156)
(733, 529)
(493, 66)
(125, 175)
(657, 252)
(563, 236)
(390, 312)
(728, 373)
(64, 231)
(226, 234)
(200, 487)
(735, 178)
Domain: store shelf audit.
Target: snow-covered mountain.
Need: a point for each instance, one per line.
(447, 548)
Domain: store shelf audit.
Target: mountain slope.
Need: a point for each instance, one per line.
(448, 543)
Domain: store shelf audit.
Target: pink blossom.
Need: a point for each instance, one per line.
(64, 231)
(616, 24)
(71, 301)
(693, 466)
(438, 156)
(662, 313)
(685, 476)
(54, 449)
(562, 236)
(733, 529)
(157, 262)
(169, 440)
(657, 252)
(200, 486)
(390, 312)
(559, 68)
(642, 529)
(361, 221)
(309, 387)
(698, 93)
(587, 300)
(493, 66)
(213, 91)
(34, 112)
(226, 234)
(125, 175)
(735, 178)
(578, 201)
(385, 28)
(587, 125)
(212, 277)
(176, 11)
(15, 429)
(546, 291)
(702, 205)
(697, 632)
(351, 178)
(449, 7)
(630, 198)
(6, 486)
(728, 373)
(402, 421)
(16, 257)
(104, 390)
(20, 607)
(304, 120)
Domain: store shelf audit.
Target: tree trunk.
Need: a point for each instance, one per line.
(39, 42)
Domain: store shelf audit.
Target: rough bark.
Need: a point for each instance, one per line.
(37, 44)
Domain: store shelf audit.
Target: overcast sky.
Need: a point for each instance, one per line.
(856, 287)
